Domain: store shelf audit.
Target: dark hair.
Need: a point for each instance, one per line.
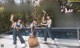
(34, 19)
(19, 19)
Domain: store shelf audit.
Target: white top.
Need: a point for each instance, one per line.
(49, 22)
(17, 23)
(32, 25)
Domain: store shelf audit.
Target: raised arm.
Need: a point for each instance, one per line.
(12, 20)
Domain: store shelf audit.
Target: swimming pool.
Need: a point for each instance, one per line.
(55, 32)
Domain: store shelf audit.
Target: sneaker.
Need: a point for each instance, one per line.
(15, 46)
(79, 41)
(45, 42)
(24, 45)
(51, 41)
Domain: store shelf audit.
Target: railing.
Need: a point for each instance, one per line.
(60, 31)
(66, 30)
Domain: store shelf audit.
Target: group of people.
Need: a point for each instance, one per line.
(17, 26)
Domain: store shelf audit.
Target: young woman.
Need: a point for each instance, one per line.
(33, 40)
(33, 26)
(48, 27)
(17, 26)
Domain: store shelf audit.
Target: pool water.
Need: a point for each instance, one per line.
(55, 33)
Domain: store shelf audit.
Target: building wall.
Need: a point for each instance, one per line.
(68, 20)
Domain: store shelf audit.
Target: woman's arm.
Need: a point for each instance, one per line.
(31, 26)
(12, 26)
(20, 26)
(48, 23)
(43, 19)
(44, 24)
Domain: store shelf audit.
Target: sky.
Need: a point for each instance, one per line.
(18, 1)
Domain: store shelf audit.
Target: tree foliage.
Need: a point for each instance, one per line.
(27, 11)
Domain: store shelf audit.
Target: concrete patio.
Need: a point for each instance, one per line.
(6, 41)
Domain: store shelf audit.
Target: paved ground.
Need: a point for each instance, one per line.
(6, 41)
